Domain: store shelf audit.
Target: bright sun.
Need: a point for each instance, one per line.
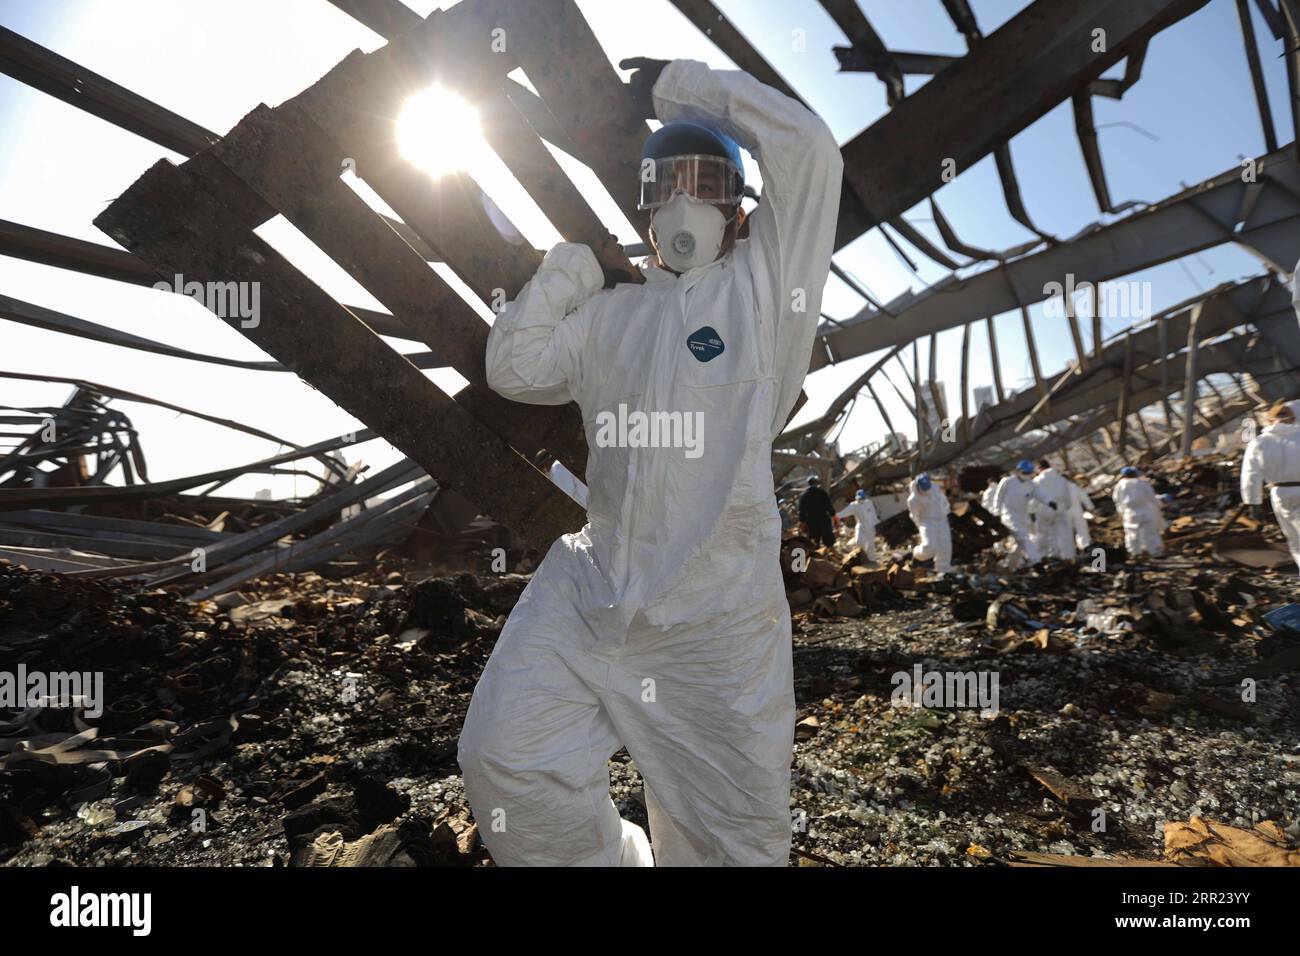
(439, 132)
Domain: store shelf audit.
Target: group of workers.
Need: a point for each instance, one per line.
(926, 503)
(1046, 513)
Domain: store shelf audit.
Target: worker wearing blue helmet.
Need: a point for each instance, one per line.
(692, 178)
(1012, 503)
(675, 580)
(928, 506)
(1138, 506)
(862, 510)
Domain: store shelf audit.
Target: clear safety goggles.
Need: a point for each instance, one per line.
(710, 179)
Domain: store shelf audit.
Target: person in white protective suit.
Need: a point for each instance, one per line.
(989, 497)
(1081, 509)
(1273, 458)
(662, 625)
(863, 511)
(928, 506)
(1139, 507)
(1054, 528)
(1011, 505)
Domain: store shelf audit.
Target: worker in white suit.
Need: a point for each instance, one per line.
(1011, 505)
(1273, 459)
(662, 625)
(1081, 509)
(928, 506)
(1139, 507)
(989, 498)
(1054, 528)
(862, 510)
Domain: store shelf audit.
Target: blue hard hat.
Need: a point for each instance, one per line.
(692, 139)
(1128, 471)
(860, 495)
(1025, 465)
(923, 481)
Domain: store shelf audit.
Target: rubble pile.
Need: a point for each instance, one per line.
(1119, 693)
(821, 582)
(239, 731)
(1117, 711)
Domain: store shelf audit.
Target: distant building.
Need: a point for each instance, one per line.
(935, 415)
(984, 397)
(897, 441)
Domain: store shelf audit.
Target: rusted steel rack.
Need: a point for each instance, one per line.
(198, 219)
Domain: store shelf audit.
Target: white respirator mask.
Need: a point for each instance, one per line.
(687, 232)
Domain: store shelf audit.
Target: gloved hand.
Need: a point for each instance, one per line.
(1052, 505)
(641, 83)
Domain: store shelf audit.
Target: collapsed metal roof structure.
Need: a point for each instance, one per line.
(198, 219)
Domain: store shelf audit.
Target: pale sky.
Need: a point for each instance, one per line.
(1191, 116)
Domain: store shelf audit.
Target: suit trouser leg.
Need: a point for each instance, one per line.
(536, 743)
(714, 740)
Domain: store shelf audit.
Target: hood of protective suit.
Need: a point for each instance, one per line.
(1013, 496)
(1136, 500)
(1054, 486)
(927, 506)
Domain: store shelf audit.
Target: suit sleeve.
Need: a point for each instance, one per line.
(534, 351)
(792, 232)
(1252, 475)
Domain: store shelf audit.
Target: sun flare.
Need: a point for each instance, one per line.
(439, 132)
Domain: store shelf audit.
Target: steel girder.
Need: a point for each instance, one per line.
(1263, 216)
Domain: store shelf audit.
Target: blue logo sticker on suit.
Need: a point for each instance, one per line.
(705, 344)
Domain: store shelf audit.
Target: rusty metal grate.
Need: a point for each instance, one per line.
(198, 219)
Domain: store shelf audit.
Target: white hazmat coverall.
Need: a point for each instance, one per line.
(662, 626)
(989, 499)
(864, 535)
(1055, 529)
(1138, 506)
(1273, 458)
(1080, 507)
(1012, 509)
(929, 511)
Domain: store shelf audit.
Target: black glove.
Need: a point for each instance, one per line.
(641, 83)
(1052, 505)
